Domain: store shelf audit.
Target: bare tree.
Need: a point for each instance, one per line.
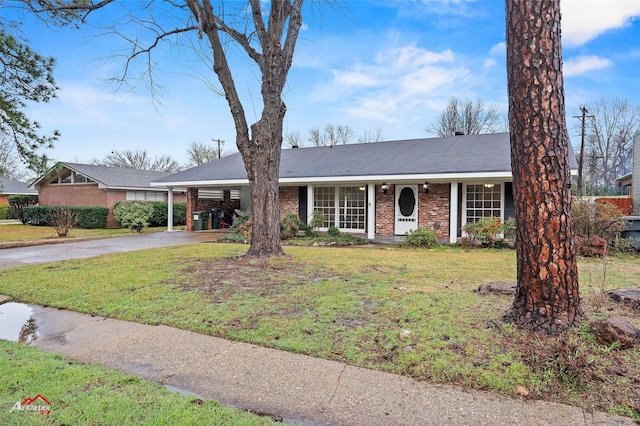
(268, 38)
(547, 296)
(608, 143)
(293, 139)
(140, 160)
(374, 135)
(467, 117)
(10, 164)
(331, 135)
(200, 153)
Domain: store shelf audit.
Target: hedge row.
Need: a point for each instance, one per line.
(4, 211)
(96, 217)
(159, 215)
(88, 217)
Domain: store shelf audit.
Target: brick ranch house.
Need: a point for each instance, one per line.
(72, 184)
(376, 189)
(13, 187)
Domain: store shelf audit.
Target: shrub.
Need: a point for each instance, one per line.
(36, 215)
(4, 211)
(179, 213)
(333, 231)
(290, 224)
(240, 217)
(485, 231)
(63, 219)
(420, 238)
(595, 219)
(17, 204)
(317, 220)
(91, 217)
(160, 209)
(133, 214)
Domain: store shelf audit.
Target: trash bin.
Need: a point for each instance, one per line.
(204, 216)
(633, 230)
(197, 221)
(216, 218)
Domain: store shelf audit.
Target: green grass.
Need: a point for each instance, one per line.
(22, 233)
(83, 394)
(405, 311)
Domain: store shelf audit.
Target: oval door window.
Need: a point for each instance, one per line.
(407, 201)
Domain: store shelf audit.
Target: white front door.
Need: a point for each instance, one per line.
(406, 209)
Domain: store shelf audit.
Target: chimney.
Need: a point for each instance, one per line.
(635, 179)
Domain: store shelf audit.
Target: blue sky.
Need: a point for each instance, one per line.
(391, 65)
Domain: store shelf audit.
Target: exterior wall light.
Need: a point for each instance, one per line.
(425, 187)
(384, 187)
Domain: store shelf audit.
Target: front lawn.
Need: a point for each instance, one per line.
(410, 312)
(84, 394)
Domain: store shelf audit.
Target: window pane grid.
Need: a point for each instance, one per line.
(324, 201)
(483, 201)
(346, 204)
(352, 208)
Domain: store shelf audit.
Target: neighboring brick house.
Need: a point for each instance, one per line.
(13, 187)
(379, 189)
(72, 184)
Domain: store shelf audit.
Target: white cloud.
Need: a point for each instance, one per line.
(584, 20)
(584, 64)
(395, 86)
(498, 49)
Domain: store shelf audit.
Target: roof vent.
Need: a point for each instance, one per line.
(459, 133)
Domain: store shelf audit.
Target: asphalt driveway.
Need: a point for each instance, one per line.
(12, 257)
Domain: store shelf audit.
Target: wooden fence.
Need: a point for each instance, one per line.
(625, 204)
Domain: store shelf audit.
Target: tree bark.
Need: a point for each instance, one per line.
(547, 296)
(261, 147)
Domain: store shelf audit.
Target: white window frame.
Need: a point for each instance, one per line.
(464, 201)
(146, 196)
(339, 209)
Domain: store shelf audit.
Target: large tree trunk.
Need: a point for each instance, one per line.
(547, 297)
(262, 161)
(260, 148)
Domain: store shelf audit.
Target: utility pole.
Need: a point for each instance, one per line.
(582, 117)
(220, 142)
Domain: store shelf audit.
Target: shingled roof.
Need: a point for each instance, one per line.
(109, 177)
(13, 187)
(429, 158)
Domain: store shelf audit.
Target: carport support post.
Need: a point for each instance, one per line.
(170, 210)
(371, 211)
(453, 213)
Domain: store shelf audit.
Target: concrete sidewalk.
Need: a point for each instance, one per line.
(300, 389)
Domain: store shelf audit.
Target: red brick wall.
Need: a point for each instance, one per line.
(385, 204)
(288, 199)
(87, 195)
(433, 210)
(79, 195)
